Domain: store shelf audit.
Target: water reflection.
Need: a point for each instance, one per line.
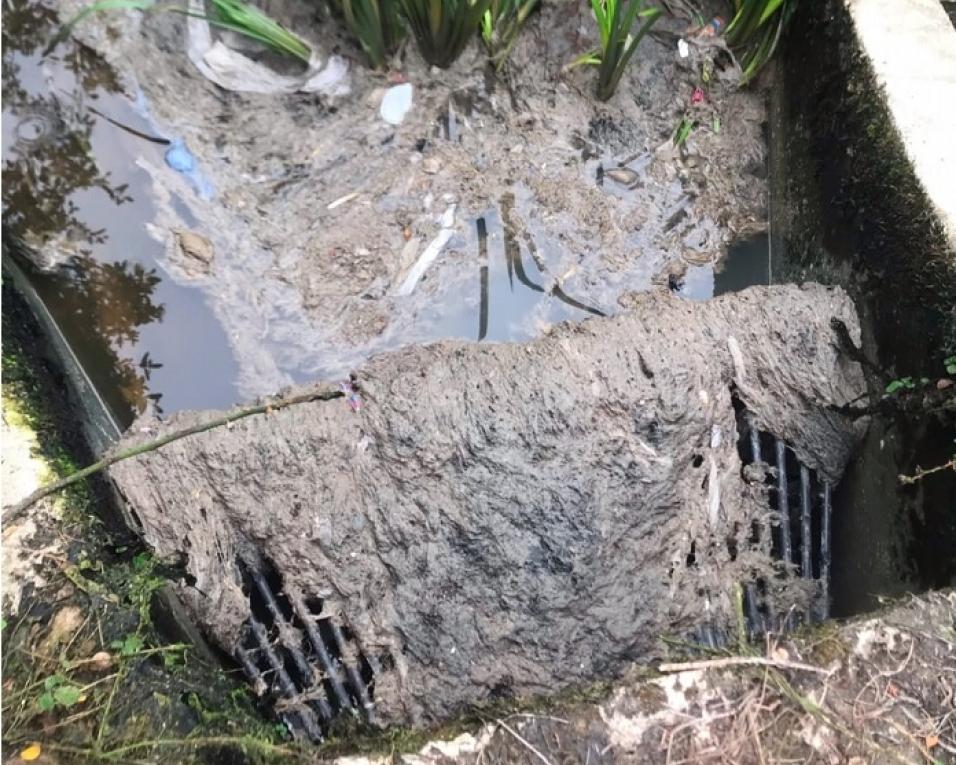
(75, 208)
(511, 306)
(747, 264)
(47, 161)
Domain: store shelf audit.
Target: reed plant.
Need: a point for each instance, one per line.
(615, 20)
(755, 30)
(500, 26)
(442, 28)
(375, 24)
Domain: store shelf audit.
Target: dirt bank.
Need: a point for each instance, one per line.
(506, 519)
(878, 689)
(306, 288)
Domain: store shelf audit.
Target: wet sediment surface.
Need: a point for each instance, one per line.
(504, 519)
(249, 273)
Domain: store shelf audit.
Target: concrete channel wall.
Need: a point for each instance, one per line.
(911, 46)
(864, 168)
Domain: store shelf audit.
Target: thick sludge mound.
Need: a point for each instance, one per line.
(483, 520)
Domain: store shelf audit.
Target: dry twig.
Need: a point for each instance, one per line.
(13, 512)
(741, 661)
(523, 741)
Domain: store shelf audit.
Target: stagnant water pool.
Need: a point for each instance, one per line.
(77, 210)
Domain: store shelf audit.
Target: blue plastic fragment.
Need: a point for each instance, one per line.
(179, 158)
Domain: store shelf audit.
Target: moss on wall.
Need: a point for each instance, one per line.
(848, 207)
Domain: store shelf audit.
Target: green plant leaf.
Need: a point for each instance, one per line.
(684, 128)
(904, 383)
(46, 702)
(129, 645)
(237, 16)
(614, 19)
(755, 30)
(442, 28)
(67, 695)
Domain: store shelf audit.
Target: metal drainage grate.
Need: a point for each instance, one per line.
(301, 658)
(803, 505)
(800, 509)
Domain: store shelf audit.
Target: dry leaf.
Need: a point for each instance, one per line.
(931, 740)
(31, 752)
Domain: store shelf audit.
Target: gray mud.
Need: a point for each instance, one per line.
(304, 291)
(507, 519)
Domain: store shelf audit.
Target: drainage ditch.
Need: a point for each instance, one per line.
(293, 642)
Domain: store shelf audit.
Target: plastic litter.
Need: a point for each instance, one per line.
(712, 28)
(231, 70)
(396, 103)
(431, 252)
(352, 396)
(683, 49)
(180, 159)
(697, 97)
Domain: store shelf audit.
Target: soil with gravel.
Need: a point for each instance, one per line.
(877, 689)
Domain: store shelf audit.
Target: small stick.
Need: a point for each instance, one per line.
(13, 512)
(740, 661)
(921, 474)
(530, 748)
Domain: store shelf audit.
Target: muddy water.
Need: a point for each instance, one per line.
(75, 204)
(297, 291)
(747, 263)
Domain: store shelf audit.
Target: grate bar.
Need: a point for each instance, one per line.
(248, 665)
(783, 502)
(328, 666)
(755, 443)
(806, 542)
(825, 551)
(351, 672)
(309, 723)
(754, 616)
(301, 664)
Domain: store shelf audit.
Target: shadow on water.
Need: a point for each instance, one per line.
(514, 288)
(75, 205)
(747, 264)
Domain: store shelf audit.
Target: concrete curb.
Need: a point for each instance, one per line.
(911, 45)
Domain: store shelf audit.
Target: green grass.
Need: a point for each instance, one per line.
(376, 26)
(442, 28)
(500, 26)
(615, 19)
(234, 15)
(754, 32)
